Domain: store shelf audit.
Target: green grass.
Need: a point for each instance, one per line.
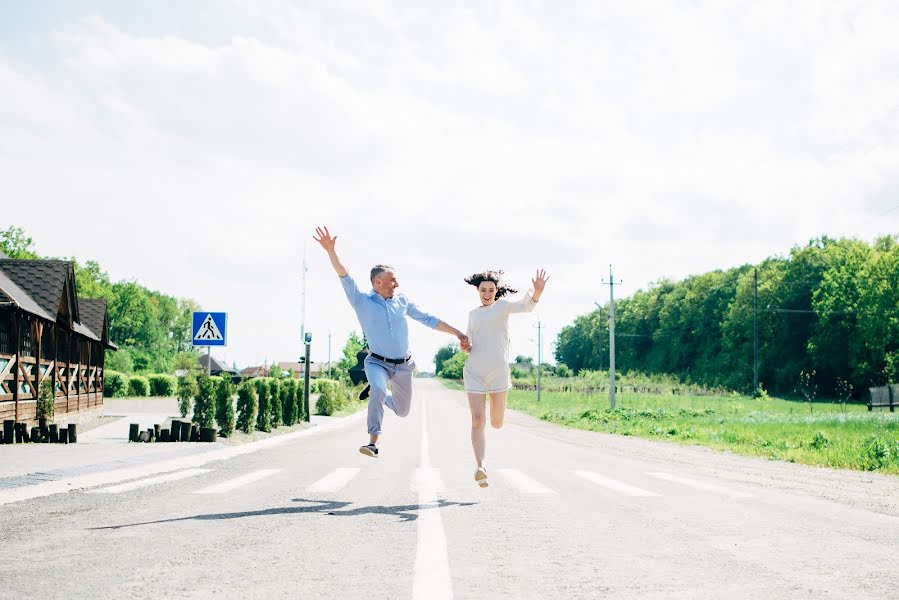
(827, 435)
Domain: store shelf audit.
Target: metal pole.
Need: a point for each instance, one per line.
(209, 360)
(755, 333)
(611, 339)
(539, 360)
(329, 354)
(306, 383)
(303, 299)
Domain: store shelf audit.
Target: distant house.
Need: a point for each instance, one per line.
(48, 332)
(218, 367)
(299, 369)
(251, 372)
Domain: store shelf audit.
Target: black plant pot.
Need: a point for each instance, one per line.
(133, 431)
(194, 432)
(42, 425)
(35, 434)
(54, 433)
(207, 434)
(73, 433)
(185, 431)
(63, 435)
(9, 431)
(164, 435)
(175, 430)
(156, 432)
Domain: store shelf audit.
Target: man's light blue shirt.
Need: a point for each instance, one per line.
(384, 321)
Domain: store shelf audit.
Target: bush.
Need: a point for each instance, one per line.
(162, 385)
(289, 401)
(115, 384)
(452, 367)
(187, 389)
(224, 406)
(46, 402)
(332, 396)
(562, 370)
(875, 453)
(204, 401)
(274, 395)
(247, 405)
(263, 415)
(138, 386)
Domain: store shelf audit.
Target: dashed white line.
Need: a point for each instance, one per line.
(141, 483)
(524, 483)
(431, 580)
(333, 481)
(701, 485)
(233, 484)
(614, 484)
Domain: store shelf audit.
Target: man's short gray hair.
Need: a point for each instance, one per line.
(379, 269)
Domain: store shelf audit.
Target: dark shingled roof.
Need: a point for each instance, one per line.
(93, 315)
(43, 280)
(12, 293)
(216, 365)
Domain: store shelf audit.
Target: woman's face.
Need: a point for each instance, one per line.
(487, 292)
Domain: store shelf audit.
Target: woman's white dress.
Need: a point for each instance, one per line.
(487, 367)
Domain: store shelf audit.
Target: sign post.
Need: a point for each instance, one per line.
(307, 341)
(209, 329)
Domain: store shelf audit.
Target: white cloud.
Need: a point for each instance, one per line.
(667, 139)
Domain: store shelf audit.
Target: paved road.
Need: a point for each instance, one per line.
(568, 514)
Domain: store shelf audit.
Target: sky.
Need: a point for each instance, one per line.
(194, 147)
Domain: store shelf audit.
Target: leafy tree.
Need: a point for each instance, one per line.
(444, 354)
(341, 370)
(224, 405)
(247, 405)
(452, 368)
(15, 244)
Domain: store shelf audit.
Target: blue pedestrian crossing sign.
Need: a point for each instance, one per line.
(209, 328)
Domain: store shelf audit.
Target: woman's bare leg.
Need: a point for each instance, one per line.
(498, 409)
(478, 405)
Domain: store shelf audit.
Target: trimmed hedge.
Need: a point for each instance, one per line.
(247, 405)
(332, 396)
(289, 401)
(263, 416)
(187, 389)
(115, 384)
(224, 405)
(138, 386)
(274, 394)
(204, 401)
(162, 385)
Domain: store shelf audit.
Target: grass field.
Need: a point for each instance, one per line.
(824, 434)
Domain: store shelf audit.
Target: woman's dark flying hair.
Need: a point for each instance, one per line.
(495, 276)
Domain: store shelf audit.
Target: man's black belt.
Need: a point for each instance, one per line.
(393, 361)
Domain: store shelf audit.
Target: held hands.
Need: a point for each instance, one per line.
(539, 282)
(464, 343)
(324, 238)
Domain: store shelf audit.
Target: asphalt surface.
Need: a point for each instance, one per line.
(568, 514)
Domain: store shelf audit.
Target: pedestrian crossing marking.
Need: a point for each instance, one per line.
(208, 330)
(701, 485)
(141, 483)
(233, 484)
(614, 484)
(334, 481)
(524, 483)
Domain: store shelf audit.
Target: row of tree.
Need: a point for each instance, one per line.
(831, 307)
(151, 329)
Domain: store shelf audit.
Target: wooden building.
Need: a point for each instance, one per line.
(46, 331)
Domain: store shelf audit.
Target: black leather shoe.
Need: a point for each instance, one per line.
(364, 393)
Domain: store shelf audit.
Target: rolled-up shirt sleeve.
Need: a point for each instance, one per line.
(421, 316)
(353, 293)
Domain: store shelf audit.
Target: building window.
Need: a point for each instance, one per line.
(7, 335)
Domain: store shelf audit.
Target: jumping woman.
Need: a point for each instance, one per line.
(486, 372)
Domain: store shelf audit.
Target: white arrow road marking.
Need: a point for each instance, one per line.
(524, 483)
(333, 481)
(701, 485)
(432, 575)
(233, 484)
(141, 483)
(614, 484)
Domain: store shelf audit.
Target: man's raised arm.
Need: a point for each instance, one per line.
(327, 242)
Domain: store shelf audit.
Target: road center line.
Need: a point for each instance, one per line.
(432, 574)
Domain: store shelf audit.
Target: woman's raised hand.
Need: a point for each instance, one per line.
(539, 281)
(324, 238)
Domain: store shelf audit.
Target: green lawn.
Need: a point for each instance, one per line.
(827, 435)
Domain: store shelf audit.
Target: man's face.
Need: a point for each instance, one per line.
(385, 284)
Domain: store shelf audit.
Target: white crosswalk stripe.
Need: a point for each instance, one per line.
(233, 484)
(614, 485)
(524, 483)
(334, 481)
(141, 483)
(701, 485)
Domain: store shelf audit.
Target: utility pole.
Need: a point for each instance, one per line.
(539, 359)
(329, 354)
(611, 283)
(755, 334)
